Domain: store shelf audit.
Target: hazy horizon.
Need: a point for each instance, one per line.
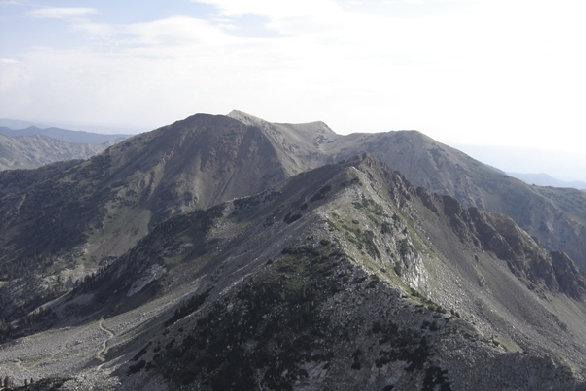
(509, 159)
(512, 160)
(464, 72)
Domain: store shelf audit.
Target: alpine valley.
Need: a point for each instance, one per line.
(33, 147)
(231, 253)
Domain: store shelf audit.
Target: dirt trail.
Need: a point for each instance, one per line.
(102, 353)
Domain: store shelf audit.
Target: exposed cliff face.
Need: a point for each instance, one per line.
(500, 235)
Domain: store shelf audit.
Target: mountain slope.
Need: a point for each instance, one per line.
(97, 209)
(191, 164)
(15, 181)
(34, 151)
(76, 220)
(69, 136)
(345, 277)
(545, 214)
(300, 147)
(349, 244)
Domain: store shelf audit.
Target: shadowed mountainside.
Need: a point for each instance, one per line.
(94, 210)
(343, 277)
(266, 255)
(78, 218)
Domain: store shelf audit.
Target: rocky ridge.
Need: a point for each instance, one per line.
(203, 160)
(361, 286)
(147, 266)
(555, 216)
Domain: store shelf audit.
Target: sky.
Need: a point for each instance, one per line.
(467, 72)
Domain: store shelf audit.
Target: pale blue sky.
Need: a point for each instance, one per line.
(498, 72)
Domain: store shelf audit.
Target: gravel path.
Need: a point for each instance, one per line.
(102, 353)
(77, 350)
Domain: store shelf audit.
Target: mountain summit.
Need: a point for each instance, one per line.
(212, 254)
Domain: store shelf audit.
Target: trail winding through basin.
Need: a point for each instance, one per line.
(102, 353)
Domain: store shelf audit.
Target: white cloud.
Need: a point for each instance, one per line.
(478, 74)
(286, 17)
(62, 13)
(181, 31)
(93, 29)
(8, 61)
(78, 18)
(15, 84)
(276, 8)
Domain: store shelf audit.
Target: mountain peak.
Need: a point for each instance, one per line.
(251, 120)
(283, 256)
(245, 118)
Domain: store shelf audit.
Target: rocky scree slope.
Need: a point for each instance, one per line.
(343, 277)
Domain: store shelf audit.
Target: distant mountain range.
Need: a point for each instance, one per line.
(70, 136)
(17, 124)
(527, 160)
(231, 253)
(28, 152)
(547, 180)
(33, 147)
